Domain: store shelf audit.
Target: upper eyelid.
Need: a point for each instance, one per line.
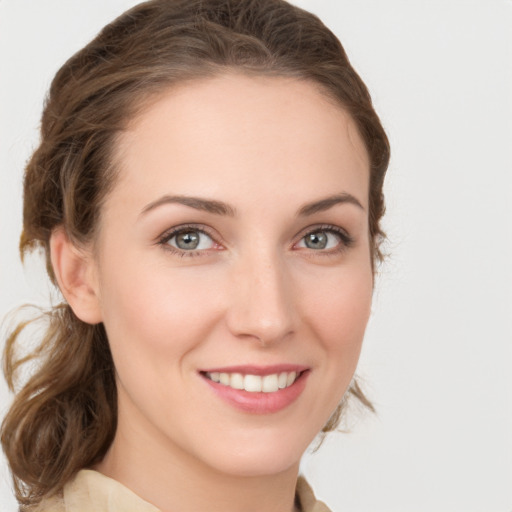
(163, 240)
(164, 237)
(169, 233)
(324, 227)
(346, 241)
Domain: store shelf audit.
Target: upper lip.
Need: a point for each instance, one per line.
(257, 370)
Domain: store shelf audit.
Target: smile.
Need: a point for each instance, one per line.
(257, 389)
(254, 383)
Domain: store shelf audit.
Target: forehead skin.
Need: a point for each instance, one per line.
(265, 116)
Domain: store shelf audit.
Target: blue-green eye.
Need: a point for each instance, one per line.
(324, 239)
(316, 240)
(190, 240)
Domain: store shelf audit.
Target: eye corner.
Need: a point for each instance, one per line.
(196, 240)
(321, 242)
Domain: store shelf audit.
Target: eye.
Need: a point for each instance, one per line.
(319, 240)
(189, 239)
(325, 239)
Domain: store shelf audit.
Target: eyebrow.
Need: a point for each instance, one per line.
(324, 204)
(207, 205)
(221, 208)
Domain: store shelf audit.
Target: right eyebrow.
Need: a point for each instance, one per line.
(199, 203)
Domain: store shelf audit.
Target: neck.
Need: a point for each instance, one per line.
(171, 479)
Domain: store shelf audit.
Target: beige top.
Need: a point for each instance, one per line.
(91, 491)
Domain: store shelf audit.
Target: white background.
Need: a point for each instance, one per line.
(438, 354)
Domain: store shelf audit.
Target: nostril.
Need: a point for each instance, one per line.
(261, 304)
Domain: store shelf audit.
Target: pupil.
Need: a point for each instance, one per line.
(316, 241)
(187, 240)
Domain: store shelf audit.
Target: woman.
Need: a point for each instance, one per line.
(207, 192)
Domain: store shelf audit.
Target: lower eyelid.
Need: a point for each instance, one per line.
(344, 238)
(201, 233)
(345, 241)
(166, 237)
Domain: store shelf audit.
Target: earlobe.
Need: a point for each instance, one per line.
(75, 270)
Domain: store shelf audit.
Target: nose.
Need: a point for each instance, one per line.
(261, 301)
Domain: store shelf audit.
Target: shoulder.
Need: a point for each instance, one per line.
(91, 491)
(306, 498)
(53, 504)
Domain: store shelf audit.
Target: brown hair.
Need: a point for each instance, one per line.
(64, 417)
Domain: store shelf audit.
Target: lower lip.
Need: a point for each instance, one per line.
(260, 403)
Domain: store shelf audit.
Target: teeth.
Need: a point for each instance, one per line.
(255, 383)
(252, 383)
(236, 381)
(269, 383)
(290, 379)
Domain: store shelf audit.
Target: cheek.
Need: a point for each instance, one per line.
(156, 315)
(335, 311)
(339, 308)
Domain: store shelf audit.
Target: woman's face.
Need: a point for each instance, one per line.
(235, 248)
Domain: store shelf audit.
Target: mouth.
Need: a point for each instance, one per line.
(258, 390)
(270, 383)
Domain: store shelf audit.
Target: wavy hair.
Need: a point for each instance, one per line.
(64, 416)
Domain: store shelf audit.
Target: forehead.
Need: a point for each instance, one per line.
(261, 132)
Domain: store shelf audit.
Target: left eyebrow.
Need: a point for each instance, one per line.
(328, 202)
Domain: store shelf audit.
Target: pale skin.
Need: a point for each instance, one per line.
(271, 164)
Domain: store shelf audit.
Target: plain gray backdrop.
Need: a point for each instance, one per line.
(438, 351)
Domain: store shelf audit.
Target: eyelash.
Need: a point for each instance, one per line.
(170, 234)
(346, 241)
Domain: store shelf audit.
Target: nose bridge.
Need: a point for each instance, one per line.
(261, 305)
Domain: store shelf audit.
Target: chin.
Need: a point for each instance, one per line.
(259, 454)
(258, 465)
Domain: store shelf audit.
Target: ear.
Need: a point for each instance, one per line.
(76, 273)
